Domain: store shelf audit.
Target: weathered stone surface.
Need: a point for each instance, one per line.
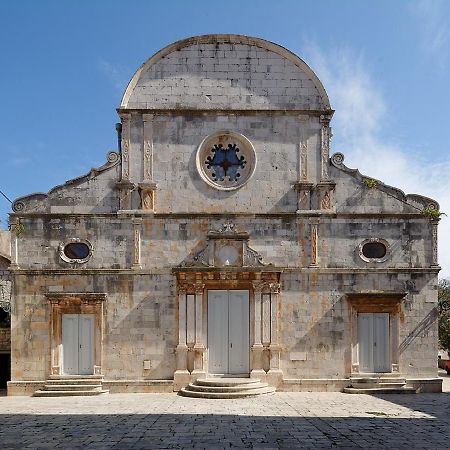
(302, 215)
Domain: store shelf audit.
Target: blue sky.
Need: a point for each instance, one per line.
(385, 65)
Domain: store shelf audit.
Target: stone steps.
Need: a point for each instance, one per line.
(381, 390)
(379, 385)
(71, 385)
(226, 388)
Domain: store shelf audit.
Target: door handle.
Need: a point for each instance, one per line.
(231, 345)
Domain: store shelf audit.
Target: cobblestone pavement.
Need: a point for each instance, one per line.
(278, 421)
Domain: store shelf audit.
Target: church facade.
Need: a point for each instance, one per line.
(223, 238)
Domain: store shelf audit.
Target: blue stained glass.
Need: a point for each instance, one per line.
(225, 162)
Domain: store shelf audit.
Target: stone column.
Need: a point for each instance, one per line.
(181, 376)
(434, 243)
(147, 188)
(303, 149)
(137, 222)
(274, 375)
(125, 185)
(14, 251)
(257, 347)
(148, 147)
(199, 346)
(126, 133)
(314, 243)
(325, 147)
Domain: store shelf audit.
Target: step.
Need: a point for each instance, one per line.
(75, 377)
(378, 385)
(374, 391)
(223, 382)
(224, 395)
(72, 387)
(240, 388)
(43, 393)
(73, 382)
(377, 380)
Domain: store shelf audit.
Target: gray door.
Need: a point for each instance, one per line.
(373, 342)
(78, 344)
(228, 331)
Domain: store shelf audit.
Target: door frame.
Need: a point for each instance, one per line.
(249, 334)
(75, 303)
(380, 302)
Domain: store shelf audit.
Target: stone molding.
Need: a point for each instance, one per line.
(74, 303)
(22, 204)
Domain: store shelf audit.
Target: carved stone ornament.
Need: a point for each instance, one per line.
(226, 160)
(225, 241)
(5, 295)
(75, 250)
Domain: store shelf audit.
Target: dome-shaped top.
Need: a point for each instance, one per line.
(228, 72)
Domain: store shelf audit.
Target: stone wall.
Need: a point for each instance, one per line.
(5, 340)
(140, 322)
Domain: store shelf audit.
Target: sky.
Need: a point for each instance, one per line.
(385, 65)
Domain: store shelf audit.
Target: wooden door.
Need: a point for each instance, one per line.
(228, 332)
(78, 344)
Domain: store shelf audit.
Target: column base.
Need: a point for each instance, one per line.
(259, 374)
(274, 377)
(198, 374)
(181, 378)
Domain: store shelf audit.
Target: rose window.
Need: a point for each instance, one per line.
(226, 160)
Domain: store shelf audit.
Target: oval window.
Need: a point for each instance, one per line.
(374, 250)
(77, 250)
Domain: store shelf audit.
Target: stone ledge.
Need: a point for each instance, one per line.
(425, 385)
(168, 270)
(24, 388)
(138, 386)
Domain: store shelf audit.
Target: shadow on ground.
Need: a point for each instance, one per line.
(173, 431)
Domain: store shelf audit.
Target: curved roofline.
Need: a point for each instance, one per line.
(225, 38)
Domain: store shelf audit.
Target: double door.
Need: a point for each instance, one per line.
(373, 342)
(78, 344)
(228, 332)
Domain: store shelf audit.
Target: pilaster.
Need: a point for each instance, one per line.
(137, 223)
(325, 147)
(257, 347)
(199, 346)
(434, 242)
(181, 376)
(314, 233)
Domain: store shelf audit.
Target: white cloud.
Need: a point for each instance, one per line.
(117, 74)
(361, 111)
(433, 26)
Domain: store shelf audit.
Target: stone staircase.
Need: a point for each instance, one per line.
(226, 388)
(71, 385)
(379, 385)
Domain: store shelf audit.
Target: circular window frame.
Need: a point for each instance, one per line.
(374, 241)
(66, 259)
(244, 144)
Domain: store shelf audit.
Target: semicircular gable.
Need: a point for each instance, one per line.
(225, 72)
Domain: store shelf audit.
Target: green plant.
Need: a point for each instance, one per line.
(17, 227)
(370, 182)
(433, 213)
(444, 313)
